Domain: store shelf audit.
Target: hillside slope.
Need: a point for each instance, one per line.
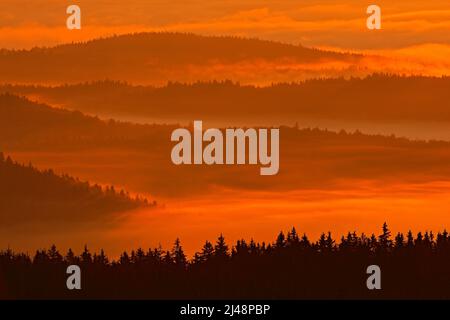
(377, 98)
(155, 58)
(138, 156)
(28, 195)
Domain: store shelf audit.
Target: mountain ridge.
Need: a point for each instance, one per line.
(154, 57)
(377, 98)
(40, 196)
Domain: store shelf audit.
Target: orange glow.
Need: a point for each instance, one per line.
(353, 183)
(312, 23)
(261, 215)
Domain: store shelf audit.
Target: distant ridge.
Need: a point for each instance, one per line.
(170, 45)
(149, 58)
(23, 120)
(377, 98)
(30, 195)
(36, 125)
(309, 155)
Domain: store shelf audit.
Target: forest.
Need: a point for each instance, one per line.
(138, 55)
(29, 195)
(291, 267)
(378, 98)
(309, 157)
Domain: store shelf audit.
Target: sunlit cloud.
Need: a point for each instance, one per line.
(312, 23)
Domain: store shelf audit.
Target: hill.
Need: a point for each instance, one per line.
(28, 195)
(138, 156)
(374, 99)
(28, 125)
(155, 58)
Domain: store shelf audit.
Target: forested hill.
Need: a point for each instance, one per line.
(28, 195)
(34, 125)
(146, 57)
(55, 138)
(378, 98)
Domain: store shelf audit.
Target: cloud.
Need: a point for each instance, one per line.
(325, 23)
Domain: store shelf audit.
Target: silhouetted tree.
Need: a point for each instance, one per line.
(280, 242)
(221, 248)
(178, 255)
(86, 256)
(384, 239)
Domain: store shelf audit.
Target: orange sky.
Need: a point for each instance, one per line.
(25, 23)
(258, 215)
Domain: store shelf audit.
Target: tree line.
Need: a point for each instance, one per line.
(290, 267)
(398, 98)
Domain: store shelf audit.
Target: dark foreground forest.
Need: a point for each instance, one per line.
(292, 267)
